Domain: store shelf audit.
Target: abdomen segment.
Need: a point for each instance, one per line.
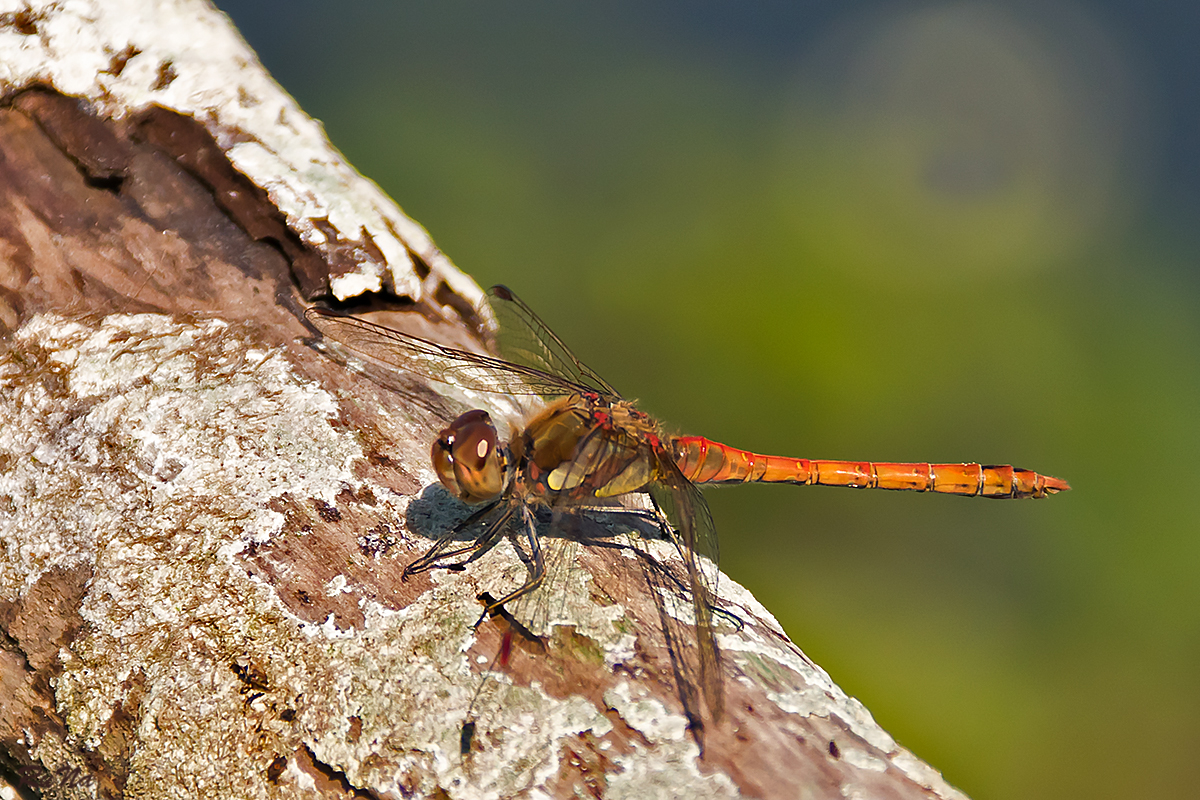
(704, 461)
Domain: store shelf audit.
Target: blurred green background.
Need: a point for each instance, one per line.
(933, 231)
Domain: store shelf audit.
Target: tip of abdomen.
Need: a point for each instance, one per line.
(1054, 485)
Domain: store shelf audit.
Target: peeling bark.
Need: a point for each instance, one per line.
(203, 520)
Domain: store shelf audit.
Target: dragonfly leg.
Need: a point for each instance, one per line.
(437, 555)
(536, 564)
(617, 521)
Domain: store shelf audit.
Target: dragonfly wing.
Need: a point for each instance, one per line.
(566, 579)
(667, 587)
(692, 532)
(437, 362)
(565, 573)
(524, 339)
(689, 527)
(683, 504)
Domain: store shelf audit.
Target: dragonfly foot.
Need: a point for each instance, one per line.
(490, 608)
(466, 737)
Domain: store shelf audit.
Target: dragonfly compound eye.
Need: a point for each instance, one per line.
(468, 458)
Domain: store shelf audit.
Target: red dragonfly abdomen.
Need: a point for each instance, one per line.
(705, 461)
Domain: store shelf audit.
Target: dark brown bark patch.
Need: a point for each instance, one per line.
(24, 21)
(46, 617)
(31, 631)
(319, 569)
(330, 782)
(191, 146)
(98, 216)
(96, 150)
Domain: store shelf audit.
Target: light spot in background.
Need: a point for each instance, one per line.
(959, 140)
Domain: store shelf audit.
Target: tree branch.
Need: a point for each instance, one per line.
(204, 520)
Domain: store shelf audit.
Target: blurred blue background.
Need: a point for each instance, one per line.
(935, 231)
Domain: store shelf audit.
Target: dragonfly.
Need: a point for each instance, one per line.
(587, 445)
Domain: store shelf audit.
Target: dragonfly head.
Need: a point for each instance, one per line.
(468, 458)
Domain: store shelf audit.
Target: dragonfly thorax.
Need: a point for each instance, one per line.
(585, 447)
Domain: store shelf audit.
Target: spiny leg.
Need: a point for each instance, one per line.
(439, 552)
(535, 564)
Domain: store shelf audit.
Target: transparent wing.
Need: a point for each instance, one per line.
(524, 339)
(668, 591)
(437, 362)
(694, 536)
(683, 504)
(688, 525)
(566, 578)
(680, 589)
